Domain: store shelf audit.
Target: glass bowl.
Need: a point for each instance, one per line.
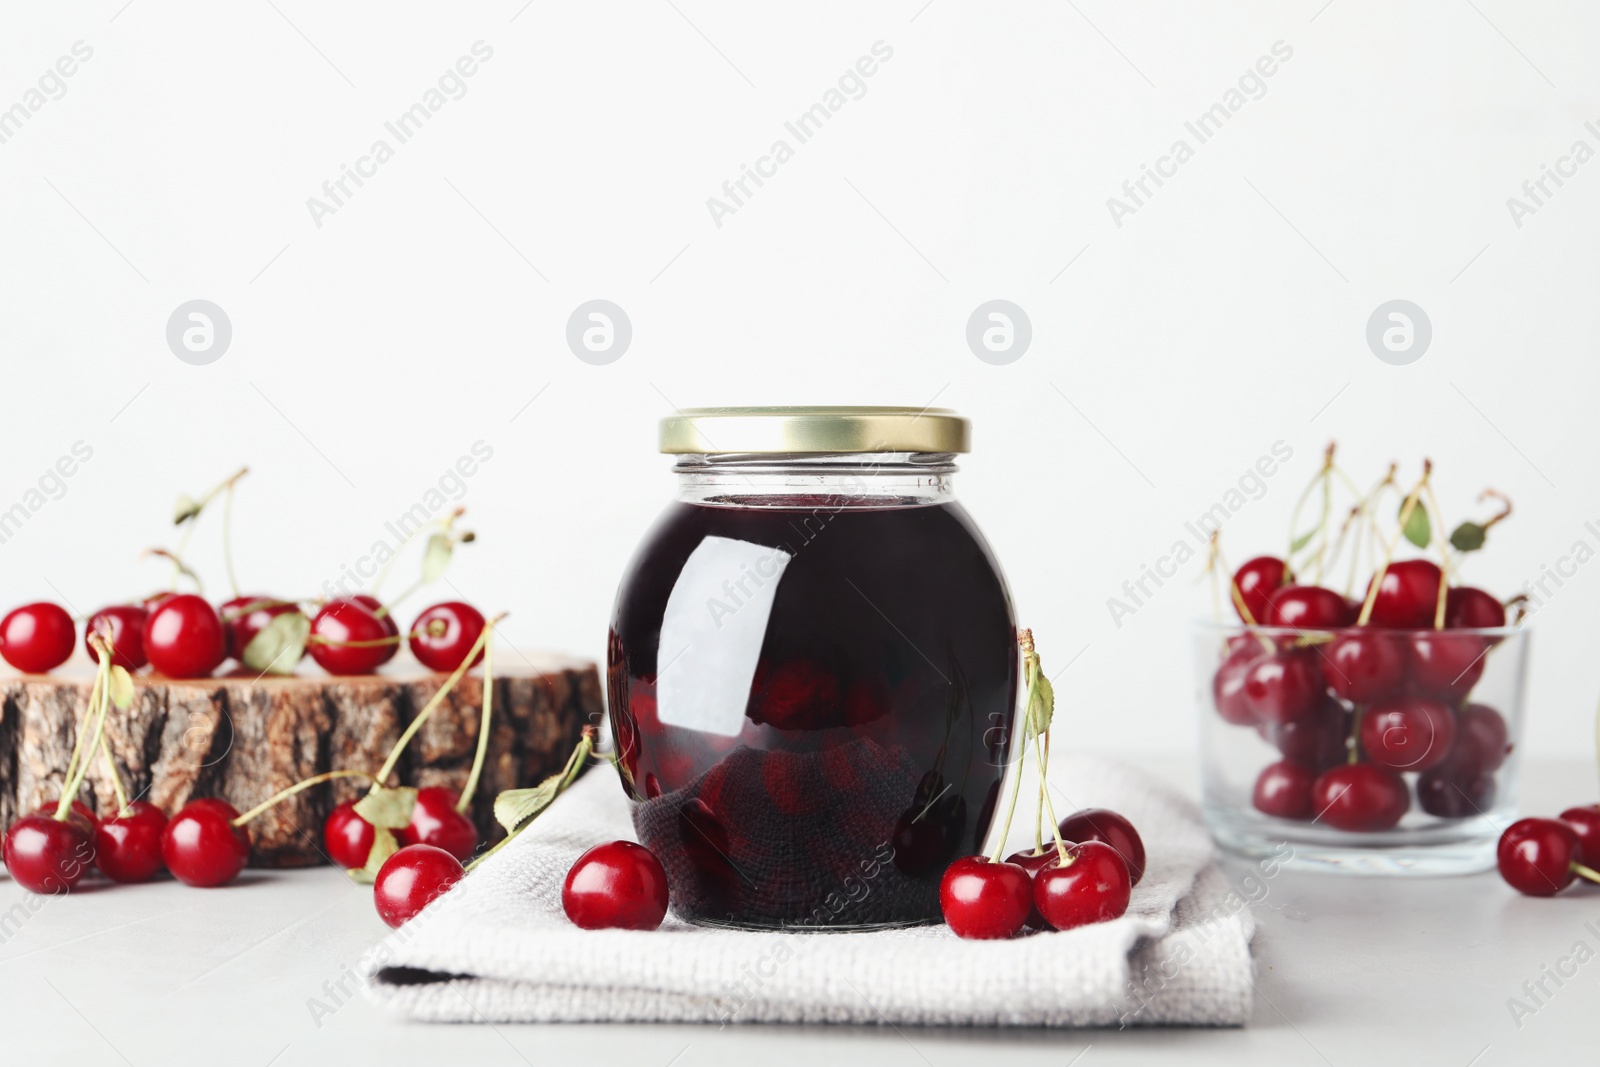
(1361, 750)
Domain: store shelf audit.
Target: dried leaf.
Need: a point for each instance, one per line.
(437, 557)
(388, 808)
(186, 509)
(1418, 529)
(121, 687)
(279, 645)
(1469, 537)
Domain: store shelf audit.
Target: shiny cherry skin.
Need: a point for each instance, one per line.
(1467, 608)
(1444, 664)
(123, 626)
(1309, 607)
(80, 814)
(245, 616)
(1108, 828)
(1536, 856)
(1408, 734)
(1092, 887)
(1407, 596)
(444, 634)
(202, 847)
(184, 638)
(390, 627)
(984, 901)
(1447, 794)
(1482, 740)
(347, 837)
(127, 846)
(1359, 797)
(37, 638)
(618, 885)
(349, 620)
(435, 821)
(1364, 665)
(1283, 790)
(1033, 864)
(411, 879)
(1284, 686)
(1584, 821)
(1257, 581)
(46, 855)
(1319, 741)
(1227, 686)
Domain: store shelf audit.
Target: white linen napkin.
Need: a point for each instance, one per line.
(498, 948)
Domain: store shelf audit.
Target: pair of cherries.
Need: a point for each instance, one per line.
(618, 885)
(180, 635)
(984, 899)
(1541, 857)
(347, 838)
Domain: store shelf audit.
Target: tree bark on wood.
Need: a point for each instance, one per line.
(244, 738)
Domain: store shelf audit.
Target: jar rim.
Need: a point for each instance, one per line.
(813, 430)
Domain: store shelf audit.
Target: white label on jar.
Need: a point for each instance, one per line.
(712, 631)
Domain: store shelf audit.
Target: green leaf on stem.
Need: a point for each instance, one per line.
(279, 645)
(388, 808)
(383, 846)
(121, 687)
(437, 556)
(1302, 541)
(1418, 529)
(187, 508)
(1468, 537)
(1041, 704)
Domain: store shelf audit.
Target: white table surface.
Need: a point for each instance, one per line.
(1349, 971)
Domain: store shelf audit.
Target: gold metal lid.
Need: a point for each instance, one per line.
(772, 430)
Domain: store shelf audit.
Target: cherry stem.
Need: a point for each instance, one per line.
(1038, 809)
(1044, 791)
(285, 794)
(1446, 568)
(116, 776)
(483, 724)
(234, 614)
(1406, 509)
(569, 774)
(1029, 662)
(1355, 736)
(376, 642)
(427, 709)
(1588, 874)
(179, 567)
(97, 721)
(403, 594)
(227, 538)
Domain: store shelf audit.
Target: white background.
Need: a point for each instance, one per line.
(1226, 314)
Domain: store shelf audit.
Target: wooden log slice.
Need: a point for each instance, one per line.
(244, 738)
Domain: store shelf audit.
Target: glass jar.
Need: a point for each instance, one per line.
(812, 668)
(1361, 750)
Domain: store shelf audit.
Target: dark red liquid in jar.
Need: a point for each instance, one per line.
(812, 706)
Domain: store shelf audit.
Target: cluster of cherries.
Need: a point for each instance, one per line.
(1085, 877)
(1541, 857)
(1360, 693)
(180, 635)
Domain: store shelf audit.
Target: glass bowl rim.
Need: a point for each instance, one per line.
(1219, 626)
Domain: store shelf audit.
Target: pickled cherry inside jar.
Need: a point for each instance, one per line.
(812, 668)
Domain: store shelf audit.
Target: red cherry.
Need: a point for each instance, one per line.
(1319, 741)
(37, 638)
(1309, 607)
(1108, 828)
(347, 837)
(1359, 797)
(47, 855)
(184, 638)
(1482, 741)
(412, 878)
(1536, 856)
(1585, 823)
(618, 884)
(127, 846)
(1408, 595)
(796, 695)
(155, 600)
(444, 634)
(1227, 687)
(1364, 665)
(123, 626)
(1408, 734)
(390, 627)
(340, 621)
(1468, 608)
(435, 821)
(1448, 794)
(202, 847)
(1446, 665)
(1092, 887)
(245, 616)
(1284, 686)
(1283, 790)
(1033, 863)
(985, 901)
(1256, 581)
